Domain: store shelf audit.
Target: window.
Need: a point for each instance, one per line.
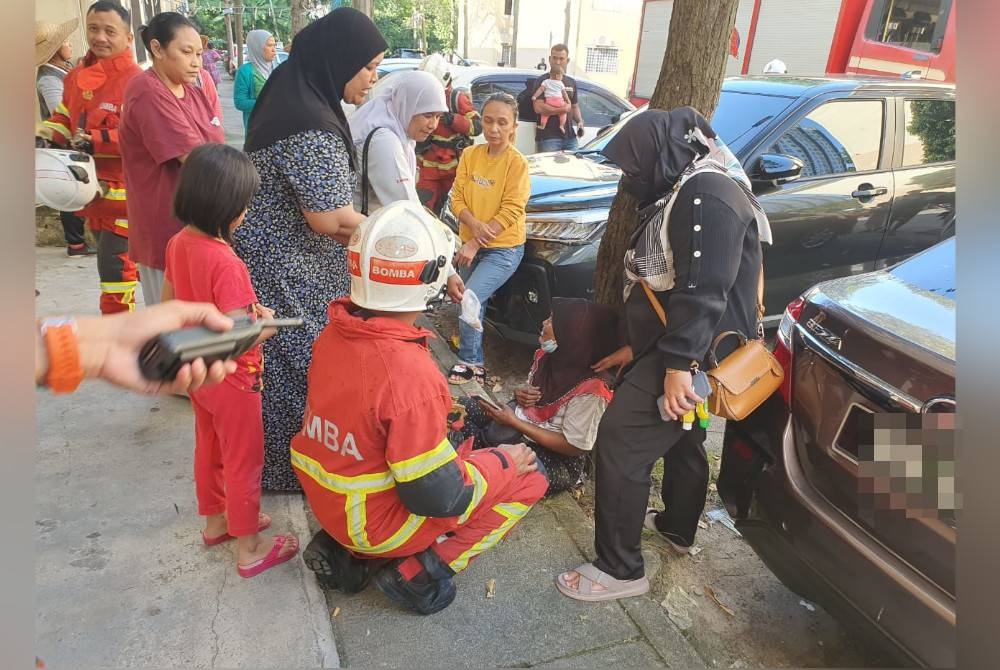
(914, 24)
(930, 132)
(602, 59)
(484, 88)
(597, 110)
(836, 138)
(505, 52)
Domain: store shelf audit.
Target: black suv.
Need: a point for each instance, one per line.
(855, 174)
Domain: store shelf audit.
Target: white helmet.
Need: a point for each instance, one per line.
(64, 179)
(775, 66)
(399, 259)
(437, 66)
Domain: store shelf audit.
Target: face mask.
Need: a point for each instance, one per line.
(548, 346)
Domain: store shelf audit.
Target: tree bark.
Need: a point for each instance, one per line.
(239, 33)
(694, 64)
(364, 6)
(300, 17)
(515, 10)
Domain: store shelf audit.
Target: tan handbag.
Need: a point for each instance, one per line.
(746, 377)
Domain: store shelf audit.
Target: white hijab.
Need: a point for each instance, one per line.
(256, 39)
(395, 104)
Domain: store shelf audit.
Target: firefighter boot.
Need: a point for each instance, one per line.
(422, 583)
(335, 567)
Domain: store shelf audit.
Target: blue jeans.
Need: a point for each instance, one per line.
(490, 270)
(559, 144)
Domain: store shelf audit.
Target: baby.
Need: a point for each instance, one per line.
(555, 94)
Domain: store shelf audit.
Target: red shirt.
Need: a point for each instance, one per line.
(157, 127)
(206, 269)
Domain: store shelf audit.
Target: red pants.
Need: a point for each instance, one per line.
(499, 510)
(433, 186)
(119, 275)
(228, 455)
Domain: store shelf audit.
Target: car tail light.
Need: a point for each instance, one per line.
(783, 345)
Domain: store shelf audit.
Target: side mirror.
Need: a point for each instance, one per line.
(777, 168)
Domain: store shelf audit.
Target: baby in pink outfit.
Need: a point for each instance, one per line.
(555, 94)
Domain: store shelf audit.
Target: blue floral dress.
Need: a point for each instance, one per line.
(296, 272)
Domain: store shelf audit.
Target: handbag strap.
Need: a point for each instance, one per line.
(713, 362)
(658, 308)
(364, 171)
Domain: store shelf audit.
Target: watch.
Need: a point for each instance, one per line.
(65, 370)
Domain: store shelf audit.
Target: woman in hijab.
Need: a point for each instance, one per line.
(253, 74)
(299, 221)
(558, 411)
(403, 113)
(696, 252)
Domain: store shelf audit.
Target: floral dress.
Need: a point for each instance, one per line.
(296, 272)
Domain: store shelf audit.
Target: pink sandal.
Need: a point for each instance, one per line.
(263, 523)
(272, 559)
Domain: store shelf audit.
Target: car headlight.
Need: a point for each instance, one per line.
(569, 227)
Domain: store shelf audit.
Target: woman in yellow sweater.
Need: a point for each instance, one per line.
(488, 198)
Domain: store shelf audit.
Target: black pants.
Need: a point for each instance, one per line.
(632, 437)
(72, 228)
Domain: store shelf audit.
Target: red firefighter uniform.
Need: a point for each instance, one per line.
(373, 457)
(438, 155)
(92, 100)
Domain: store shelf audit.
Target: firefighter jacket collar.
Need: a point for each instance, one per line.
(94, 71)
(349, 320)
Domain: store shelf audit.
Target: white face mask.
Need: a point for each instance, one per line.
(548, 346)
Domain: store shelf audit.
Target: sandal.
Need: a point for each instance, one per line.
(461, 373)
(649, 523)
(263, 523)
(591, 575)
(272, 559)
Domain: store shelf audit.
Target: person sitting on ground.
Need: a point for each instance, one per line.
(373, 455)
(558, 411)
(386, 130)
(555, 94)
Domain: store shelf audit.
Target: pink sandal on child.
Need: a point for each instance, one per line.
(272, 559)
(263, 523)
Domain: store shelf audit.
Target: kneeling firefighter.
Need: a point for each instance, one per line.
(373, 455)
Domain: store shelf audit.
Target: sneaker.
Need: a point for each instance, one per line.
(422, 594)
(81, 250)
(336, 569)
(649, 523)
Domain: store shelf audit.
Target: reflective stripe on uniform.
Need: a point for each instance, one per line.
(450, 165)
(477, 494)
(118, 286)
(61, 108)
(513, 512)
(424, 464)
(115, 194)
(58, 127)
(121, 223)
(373, 483)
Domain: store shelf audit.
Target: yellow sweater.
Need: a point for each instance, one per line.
(492, 188)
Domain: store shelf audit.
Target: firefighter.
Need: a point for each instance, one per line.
(373, 454)
(87, 119)
(437, 156)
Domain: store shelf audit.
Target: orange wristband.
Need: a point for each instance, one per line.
(65, 370)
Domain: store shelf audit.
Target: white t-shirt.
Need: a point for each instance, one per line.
(577, 420)
(553, 88)
(389, 175)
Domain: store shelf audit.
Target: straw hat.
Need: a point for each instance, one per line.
(49, 37)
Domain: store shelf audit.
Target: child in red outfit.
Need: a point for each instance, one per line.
(216, 184)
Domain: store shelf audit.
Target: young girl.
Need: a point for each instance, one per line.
(216, 184)
(488, 198)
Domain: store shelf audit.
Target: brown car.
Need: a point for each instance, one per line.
(847, 516)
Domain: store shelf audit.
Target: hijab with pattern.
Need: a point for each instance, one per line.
(305, 93)
(586, 332)
(408, 94)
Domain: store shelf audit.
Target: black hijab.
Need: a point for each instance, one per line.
(305, 92)
(586, 332)
(655, 148)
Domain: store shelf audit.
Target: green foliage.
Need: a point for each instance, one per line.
(209, 18)
(933, 121)
(395, 19)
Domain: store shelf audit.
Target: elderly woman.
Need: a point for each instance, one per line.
(168, 110)
(558, 411)
(386, 130)
(253, 74)
(697, 254)
(299, 221)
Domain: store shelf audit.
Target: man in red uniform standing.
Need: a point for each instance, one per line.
(437, 156)
(87, 119)
(373, 455)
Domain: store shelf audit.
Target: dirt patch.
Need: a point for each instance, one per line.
(49, 231)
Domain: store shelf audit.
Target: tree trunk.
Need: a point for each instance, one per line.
(515, 10)
(364, 6)
(693, 67)
(239, 33)
(300, 16)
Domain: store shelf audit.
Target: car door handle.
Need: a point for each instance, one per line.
(869, 192)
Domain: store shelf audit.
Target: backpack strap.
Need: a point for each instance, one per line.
(364, 171)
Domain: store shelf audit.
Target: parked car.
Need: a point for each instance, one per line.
(599, 106)
(854, 173)
(800, 474)
(395, 64)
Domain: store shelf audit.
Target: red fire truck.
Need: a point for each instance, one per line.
(914, 38)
